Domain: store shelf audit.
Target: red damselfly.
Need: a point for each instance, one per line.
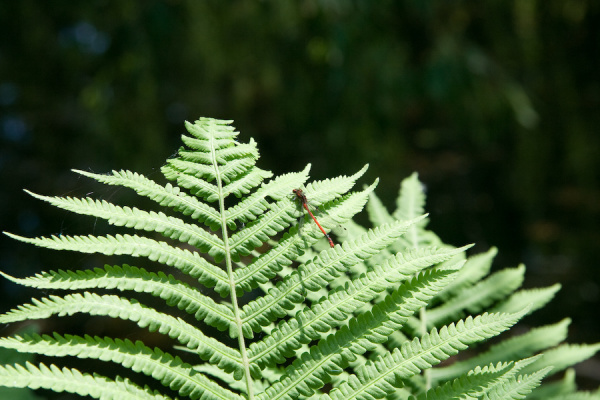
(302, 198)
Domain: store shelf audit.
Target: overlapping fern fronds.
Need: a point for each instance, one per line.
(533, 354)
(367, 319)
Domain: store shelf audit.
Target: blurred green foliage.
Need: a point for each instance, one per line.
(494, 103)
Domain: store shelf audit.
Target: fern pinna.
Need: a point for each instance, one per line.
(366, 319)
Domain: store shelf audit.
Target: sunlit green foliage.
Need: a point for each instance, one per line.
(369, 318)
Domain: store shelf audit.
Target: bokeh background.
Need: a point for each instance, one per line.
(496, 104)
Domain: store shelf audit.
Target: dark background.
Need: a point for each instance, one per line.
(495, 103)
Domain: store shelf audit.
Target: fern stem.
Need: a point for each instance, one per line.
(231, 276)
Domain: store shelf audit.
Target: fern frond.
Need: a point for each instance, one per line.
(517, 387)
(244, 184)
(564, 356)
(209, 192)
(329, 189)
(116, 307)
(349, 232)
(292, 244)
(61, 380)
(175, 292)
(313, 368)
(228, 172)
(167, 196)
(331, 312)
(479, 296)
(341, 319)
(378, 214)
(254, 205)
(411, 199)
(384, 374)
(316, 274)
(475, 268)
(488, 372)
(279, 217)
(218, 130)
(240, 150)
(243, 150)
(216, 134)
(513, 348)
(538, 298)
(469, 386)
(213, 144)
(170, 371)
(135, 246)
(169, 227)
(557, 389)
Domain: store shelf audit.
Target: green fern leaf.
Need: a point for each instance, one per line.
(471, 385)
(360, 335)
(538, 298)
(517, 388)
(327, 190)
(557, 389)
(126, 277)
(513, 348)
(170, 227)
(478, 297)
(292, 244)
(333, 311)
(411, 199)
(201, 187)
(214, 140)
(316, 274)
(564, 356)
(61, 380)
(378, 215)
(136, 246)
(254, 205)
(166, 196)
(347, 321)
(476, 267)
(116, 307)
(169, 370)
(383, 375)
